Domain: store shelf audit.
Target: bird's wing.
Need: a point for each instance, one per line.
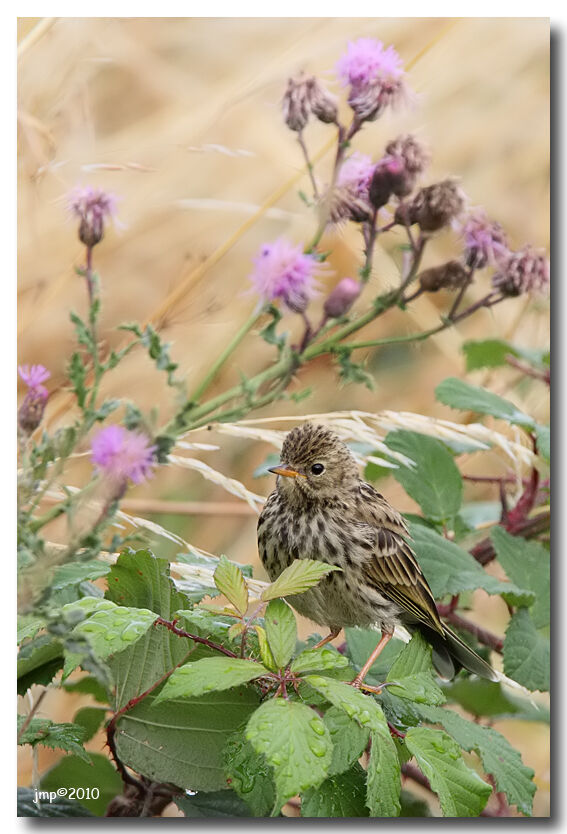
(393, 567)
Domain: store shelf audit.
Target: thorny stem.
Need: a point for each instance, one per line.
(308, 163)
(529, 528)
(203, 640)
(544, 376)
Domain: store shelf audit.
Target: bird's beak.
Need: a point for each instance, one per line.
(286, 471)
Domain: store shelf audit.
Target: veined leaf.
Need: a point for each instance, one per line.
(466, 397)
(318, 660)
(342, 795)
(527, 564)
(265, 651)
(209, 675)
(281, 631)
(349, 739)
(461, 791)
(295, 742)
(230, 582)
(68, 737)
(301, 575)
(413, 671)
(526, 653)
(249, 775)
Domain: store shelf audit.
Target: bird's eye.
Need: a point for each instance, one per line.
(317, 468)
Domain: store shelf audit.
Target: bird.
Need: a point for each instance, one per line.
(321, 509)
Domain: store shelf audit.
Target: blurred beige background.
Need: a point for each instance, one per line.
(180, 118)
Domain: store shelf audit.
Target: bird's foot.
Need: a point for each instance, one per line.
(358, 683)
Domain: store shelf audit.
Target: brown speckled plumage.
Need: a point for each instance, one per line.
(335, 517)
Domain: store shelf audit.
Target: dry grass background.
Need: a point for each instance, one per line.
(180, 118)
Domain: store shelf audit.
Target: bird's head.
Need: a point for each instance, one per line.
(315, 464)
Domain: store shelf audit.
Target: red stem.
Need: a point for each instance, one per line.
(203, 640)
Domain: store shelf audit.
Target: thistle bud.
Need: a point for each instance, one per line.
(485, 240)
(342, 298)
(522, 272)
(30, 413)
(388, 178)
(435, 206)
(346, 204)
(296, 102)
(322, 103)
(414, 155)
(451, 276)
(92, 206)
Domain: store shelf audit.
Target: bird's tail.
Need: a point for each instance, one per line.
(450, 653)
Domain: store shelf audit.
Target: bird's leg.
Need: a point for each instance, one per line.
(386, 637)
(334, 633)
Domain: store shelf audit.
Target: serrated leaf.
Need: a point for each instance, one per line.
(295, 742)
(183, 741)
(28, 627)
(413, 671)
(497, 755)
(78, 572)
(342, 795)
(361, 642)
(350, 371)
(281, 631)
(461, 791)
(111, 631)
(384, 780)
(526, 653)
(301, 575)
(318, 660)
(466, 397)
(492, 353)
(450, 570)
(72, 772)
(68, 737)
(249, 775)
(39, 660)
(527, 564)
(209, 675)
(230, 582)
(265, 651)
(435, 482)
(349, 739)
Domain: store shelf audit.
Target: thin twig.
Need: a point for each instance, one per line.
(31, 714)
(308, 163)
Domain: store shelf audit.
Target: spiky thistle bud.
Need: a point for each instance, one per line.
(322, 103)
(342, 298)
(450, 275)
(414, 157)
(485, 240)
(92, 206)
(526, 271)
(31, 410)
(388, 178)
(433, 207)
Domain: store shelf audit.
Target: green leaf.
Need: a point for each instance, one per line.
(295, 742)
(450, 570)
(59, 808)
(497, 755)
(249, 775)
(39, 660)
(384, 779)
(350, 371)
(213, 804)
(434, 483)
(90, 719)
(318, 660)
(341, 795)
(78, 572)
(466, 397)
(111, 631)
(412, 806)
(492, 353)
(361, 642)
(301, 575)
(72, 772)
(68, 737)
(349, 739)
(268, 333)
(265, 652)
(88, 685)
(28, 627)
(209, 675)
(527, 564)
(526, 653)
(281, 631)
(486, 698)
(230, 582)
(183, 741)
(413, 671)
(461, 791)
(543, 437)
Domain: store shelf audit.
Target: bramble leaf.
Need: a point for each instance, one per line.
(461, 791)
(413, 671)
(68, 737)
(466, 397)
(281, 631)
(301, 575)
(317, 660)
(249, 775)
(526, 653)
(230, 582)
(342, 795)
(349, 739)
(209, 675)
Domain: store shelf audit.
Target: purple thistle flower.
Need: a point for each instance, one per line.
(33, 376)
(526, 271)
(121, 454)
(92, 206)
(485, 240)
(356, 173)
(375, 76)
(349, 200)
(284, 271)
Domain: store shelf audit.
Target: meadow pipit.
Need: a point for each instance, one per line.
(321, 509)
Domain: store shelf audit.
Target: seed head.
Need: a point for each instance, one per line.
(526, 271)
(342, 298)
(412, 152)
(435, 206)
(284, 271)
(451, 276)
(92, 206)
